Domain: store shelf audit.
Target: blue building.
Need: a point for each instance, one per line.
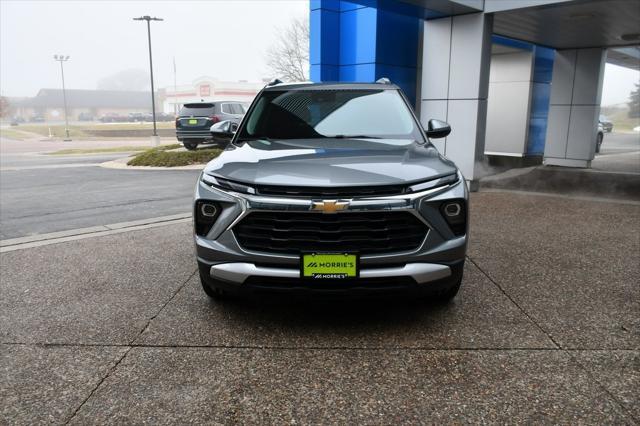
(514, 78)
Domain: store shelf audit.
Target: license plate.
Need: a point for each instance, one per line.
(329, 265)
(193, 121)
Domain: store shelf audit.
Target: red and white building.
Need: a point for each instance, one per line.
(208, 89)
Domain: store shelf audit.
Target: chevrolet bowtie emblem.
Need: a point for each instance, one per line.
(329, 206)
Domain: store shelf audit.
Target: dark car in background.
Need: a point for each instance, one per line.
(607, 125)
(163, 116)
(112, 117)
(137, 117)
(15, 121)
(195, 120)
(599, 137)
(85, 116)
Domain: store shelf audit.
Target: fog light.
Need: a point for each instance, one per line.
(206, 213)
(455, 213)
(452, 209)
(208, 210)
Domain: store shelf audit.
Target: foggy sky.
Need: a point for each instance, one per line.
(219, 38)
(223, 39)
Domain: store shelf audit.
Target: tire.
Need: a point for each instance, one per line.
(599, 139)
(446, 290)
(210, 289)
(190, 145)
(445, 296)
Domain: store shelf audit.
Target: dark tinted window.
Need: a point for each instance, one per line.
(198, 110)
(299, 114)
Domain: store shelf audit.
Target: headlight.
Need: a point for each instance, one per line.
(434, 183)
(229, 185)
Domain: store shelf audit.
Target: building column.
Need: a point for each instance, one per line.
(352, 42)
(576, 90)
(455, 85)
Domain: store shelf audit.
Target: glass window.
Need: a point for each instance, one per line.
(236, 108)
(197, 110)
(299, 114)
(227, 108)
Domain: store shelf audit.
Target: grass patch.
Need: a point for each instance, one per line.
(56, 130)
(99, 150)
(14, 134)
(81, 130)
(163, 157)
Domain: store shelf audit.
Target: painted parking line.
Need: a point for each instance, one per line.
(32, 241)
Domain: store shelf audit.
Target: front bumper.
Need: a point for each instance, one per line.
(239, 272)
(438, 260)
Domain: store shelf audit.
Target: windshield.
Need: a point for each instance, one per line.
(303, 114)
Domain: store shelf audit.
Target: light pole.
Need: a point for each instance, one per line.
(62, 59)
(153, 96)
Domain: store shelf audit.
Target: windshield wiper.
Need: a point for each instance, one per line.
(354, 137)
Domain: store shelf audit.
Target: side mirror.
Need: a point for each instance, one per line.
(438, 129)
(224, 129)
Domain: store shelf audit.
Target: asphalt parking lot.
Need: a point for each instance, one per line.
(50, 193)
(546, 329)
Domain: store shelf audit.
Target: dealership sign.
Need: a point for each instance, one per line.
(205, 90)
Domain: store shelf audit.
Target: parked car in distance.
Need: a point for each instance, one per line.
(331, 188)
(599, 137)
(134, 117)
(36, 118)
(194, 121)
(16, 120)
(163, 116)
(114, 118)
(607, 125)
(85, 116)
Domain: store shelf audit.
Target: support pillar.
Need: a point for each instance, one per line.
(455, 85)
(352, 42)
(576, 90)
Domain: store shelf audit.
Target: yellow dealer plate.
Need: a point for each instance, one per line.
(193, 121)
(329, 265)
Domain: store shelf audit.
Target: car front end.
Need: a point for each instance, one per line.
(413, 240)
(294, 205)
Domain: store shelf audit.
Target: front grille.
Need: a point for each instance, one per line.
(359, 232)
(338, 192)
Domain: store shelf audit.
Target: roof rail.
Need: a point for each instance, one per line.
(383, 80)
(274, 82)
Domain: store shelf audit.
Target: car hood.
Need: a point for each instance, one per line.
(329, 162)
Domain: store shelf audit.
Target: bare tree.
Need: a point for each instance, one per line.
(288, 58)
(634, 102)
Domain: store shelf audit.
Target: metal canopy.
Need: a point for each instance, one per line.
(574, 24)
(628, 57)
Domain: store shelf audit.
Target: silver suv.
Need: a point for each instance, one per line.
(331, 188)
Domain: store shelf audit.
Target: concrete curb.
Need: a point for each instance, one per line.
(121, 163)
(32, 241)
